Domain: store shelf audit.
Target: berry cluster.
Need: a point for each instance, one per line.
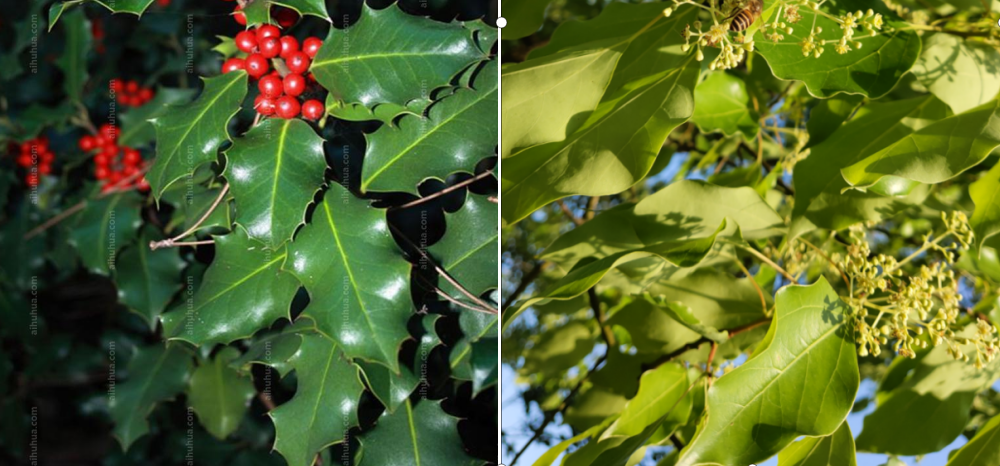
(281, 89)
(113, 163)
(286, 17)
(36, 157)
(130, 93)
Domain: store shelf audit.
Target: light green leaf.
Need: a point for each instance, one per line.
(398, 159)
(325, 404)
(468, 250)
(136, 130)
(103, 227)
(146, 279)
(73, 61)
(421, 435)
(985, 220)
(189, 136)
(662, 395)
(220, 395)
(243, 291)
(723, 104)
(553, 453)
(259, 12)
(558, 349)
(683, 315)
(808, 364)
(274, 172)
(962, 73)
(156, 373)
(349, 244)
(430, 52)
(983, 449)
(836, 449)
(524, 17)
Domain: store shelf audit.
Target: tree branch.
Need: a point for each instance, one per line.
(526, 280)
(170, 242)
(452, 188)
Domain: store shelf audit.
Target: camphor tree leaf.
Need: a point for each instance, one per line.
(683, 315)
(219, 395)
(426, 56)
(325, 404)
(190, 135)
(243, 291)
(559, 349)
(136, 130)
(962, 73)
(357, 279)
(662, 393)
(73, 61)
(934, 153)
(819, 185)
(103, 228)
(420, 435)
(836, 449)
(650, 94)
(872, 70)
(807, 363)
(398, 159)
(259, 12)
(524, 17)
(156, 373)
(723, 104)
(274, 171)
(985, 219)
(147, 279)
(829, 114)
(468, 251)
(983, 449)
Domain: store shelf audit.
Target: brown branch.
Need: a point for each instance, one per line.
(711, 357)
(595, 303)
(455, 187)
(170, 242)
(591, 208)
(526, 280)
(697, 343)
(569, 213)
(760, 292)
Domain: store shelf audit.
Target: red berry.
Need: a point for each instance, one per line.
(267, 30)
(298, 62)
(102, 160)
(270, 47)
(132, 157)
(238, 15)
(142, 184)
(270, 86)
(114, 176)
(87, 143)
(311, 46)
(294, 85)
(122, 98)
(246, 41)
(289, 44)
(146, 94)
(131, 87)
(101, 172)
(25, 160)
(116, 85)
(46, 157)
(233, 64)
(286, 17)
(313, 109)
(129, 170)
(163, 3)
(44, 169)
(264, 105)
(109, 131)
(257, 65)
(287, 107)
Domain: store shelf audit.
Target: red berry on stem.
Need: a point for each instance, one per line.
(44, 169)
(270, 86)
(233, 64)
(87, 143)
(257, 65)
(289, 44)
(116, 85)
(269, 47)
(142, 184)
(132, 157)
(294, 85)
(264, 105)
(246, 41)
(298, 62)
(146, 94)
(109, 131)
(268, 30)
(286, 17)
(24, 160)
(313, 109)
(288, 107)
(311, 46)
(102, 160)
(238, 15)
(101, 172)
(131, 87)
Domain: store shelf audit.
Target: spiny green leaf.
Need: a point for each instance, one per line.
(274, 171)
(398, 159)
(220, 395)
(136, 130)
(723, 104)
(475, 326)
(836, 449)
(357, 280)
(960, 72)
(146, 279)
(73, 61)
(275, 350)
(360, 65)
(983, 449)
(420, 435)
(156, 373)
(325, 404)
(808, 365)
(468, 251)
(390, 389)
(190, 135)
(103, 227)
(192, 201)
(243, 291)
(259, 12)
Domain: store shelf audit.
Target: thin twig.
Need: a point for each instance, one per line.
(760, 292)
(525, 282)
(591, 208)
(456, 302)
(767, 261)
(455, 187)
(493, 199)
(569, 213)
(711, 357)
(820, 252)
(595, 303)
(169, 242)
(697, 343)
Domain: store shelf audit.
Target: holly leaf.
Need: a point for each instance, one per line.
(147, 279)
(723, 104)
(386, 113)
(468, 251)
(963, 74)
(156, 373)
(219, 395)
(192, 200)
(73, 61)
(325, 404)
(485, 365)
(103, 227)
(475, 326)
(349, 243)
(275, 350)
(390, 389)
(431, 52)
(259, 12)
(189, 136)
(807, 361)
(274, 171)
(136, 7)
(982, 450)
(243, 291)
(836, 448)
(136, 130)
(423, 434)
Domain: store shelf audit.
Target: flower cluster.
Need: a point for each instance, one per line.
(36, 157)
(909, 305)
(732, 51)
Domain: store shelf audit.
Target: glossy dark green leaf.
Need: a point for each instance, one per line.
(983, 449)
(386, 113)
(136, 130)
(836, 449)
(243, 291)
(191, 202)
(468, 250)
(274, 171)
(475, 327)
(390, 389)
(275, 350)
(146, 279)
(418, 435)
(723, 104)
(136, 7)
(21, 257)
(103, 228)
(426, 55)
(324, 406)
(189, 136)
(156, 373)
(485, 364)
(807, 364)
(73, 61)
(357, 279)
(259, 12)
(219, 395)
